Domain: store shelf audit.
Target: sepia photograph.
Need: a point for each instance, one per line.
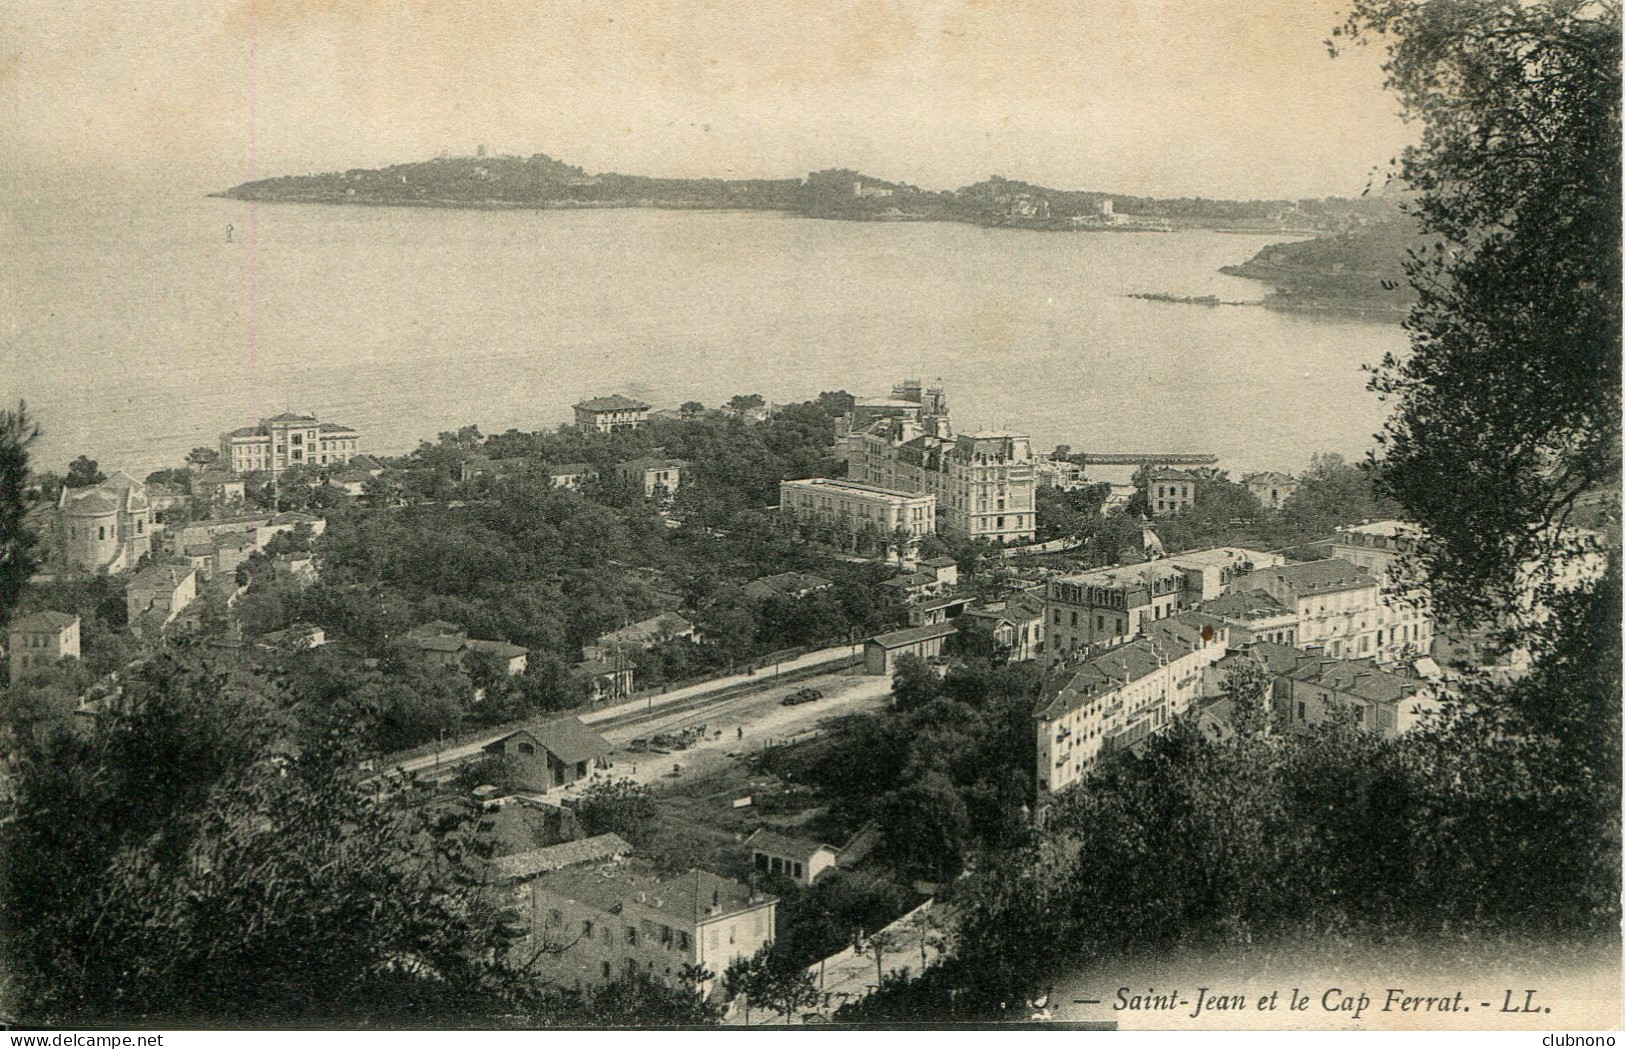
(879, 514)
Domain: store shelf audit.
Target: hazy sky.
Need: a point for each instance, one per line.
(1232, 98)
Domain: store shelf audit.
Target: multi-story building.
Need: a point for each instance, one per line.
(1169, 491)
(1270, 488)
(104, 528)
(659, 478)
(40, 639)
(890, 521)
(285, 440)
(571, 475)
(612, 414)
(156, 595)
(1121, 696)
(588, 925)
(1016, 625)
(985, 483)
(1342, 610)
(1253, 616)
(1111, 605)
(1379, 701)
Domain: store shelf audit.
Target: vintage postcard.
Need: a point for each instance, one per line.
(752, 513)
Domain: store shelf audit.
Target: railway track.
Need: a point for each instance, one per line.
(721, 696)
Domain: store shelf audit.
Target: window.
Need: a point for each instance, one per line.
(101, 531)
(1300, 711)
(798, 870)
(683, 942)
(1074, 619)
(608, 972)
(631, 936)
(555, 918)
(526, 748)
(586, 927)
(778, 865)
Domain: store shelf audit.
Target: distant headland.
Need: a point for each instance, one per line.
(1348, 269)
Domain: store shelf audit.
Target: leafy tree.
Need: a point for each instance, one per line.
(17, 540)
(914, 683)
(1507, 405)
(928, 827)
(83, 473)
(768, 979)
(1247, 685)
(740, 402)
(202, 458)
(181, 864)
(620, 806)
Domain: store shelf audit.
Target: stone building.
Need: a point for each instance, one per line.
(888, 521)
(104, 528)
(285, 440)
(612, 414)
(1122, 695)
(40, 640)
(985, 482)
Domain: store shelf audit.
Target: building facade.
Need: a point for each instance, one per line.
(289, 439)
(1123, 695)
(1270, 488)
(612, 414)
(40, 640)
(104, 528)
(549, 754)
(156, 595)
(1112, 605)
(1343, 611)
(1378, 701)
(1170, 491)
(880, 654)
(659, 478)
(985, 483)
(615, 920)
(888, 519)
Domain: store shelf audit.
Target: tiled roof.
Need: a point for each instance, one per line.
(613, 403)
(500, 649)
(248, 431)
(1245, 604)
(556, 857)
(1323, 577)
(1357, 677)
(567, 738)
(652, 464)
(92, 502)
(335, 428)
(43, 622)
(913, 635)
(291, 417)
(1269, 477)
(792, 582)
(771, 841)
(159, 577)
(688, 898)
(663, 626)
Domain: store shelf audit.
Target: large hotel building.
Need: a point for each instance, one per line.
(285, 440)
(985, 483)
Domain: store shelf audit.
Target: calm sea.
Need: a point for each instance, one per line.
(138, 333)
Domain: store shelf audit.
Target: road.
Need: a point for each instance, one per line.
(634, 711)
